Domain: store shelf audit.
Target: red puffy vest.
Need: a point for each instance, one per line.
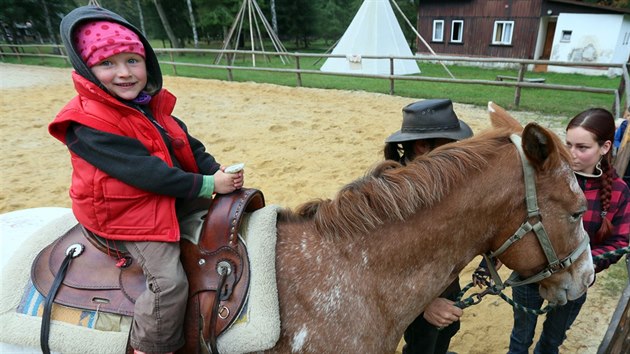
(106, 205)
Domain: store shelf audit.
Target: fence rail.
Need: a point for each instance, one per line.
(621, 95)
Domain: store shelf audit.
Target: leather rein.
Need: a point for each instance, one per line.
(533, 222)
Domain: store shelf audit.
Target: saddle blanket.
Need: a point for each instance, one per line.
(257, 327)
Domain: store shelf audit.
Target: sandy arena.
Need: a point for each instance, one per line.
(297, 144)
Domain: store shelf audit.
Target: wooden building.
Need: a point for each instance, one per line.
(525, 29)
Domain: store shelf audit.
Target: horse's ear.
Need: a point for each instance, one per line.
(500, 118)
(539, 145)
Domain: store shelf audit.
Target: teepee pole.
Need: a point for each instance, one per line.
(419, 36)
(260, 37)
(239, 32)
(252, 8)
(251, 31)
(226, 43)
(277, 44)
(330, 49)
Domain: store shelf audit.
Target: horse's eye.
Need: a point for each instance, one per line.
(576, 216)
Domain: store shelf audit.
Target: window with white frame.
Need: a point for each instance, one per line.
(457, 31)
(502, 32)
(438, 30)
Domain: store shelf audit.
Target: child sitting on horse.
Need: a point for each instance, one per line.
(135, 166)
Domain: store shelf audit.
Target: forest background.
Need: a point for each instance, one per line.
(300, 24)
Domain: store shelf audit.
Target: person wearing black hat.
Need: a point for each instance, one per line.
(426, 125)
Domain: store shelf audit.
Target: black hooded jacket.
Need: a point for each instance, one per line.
(92, 13)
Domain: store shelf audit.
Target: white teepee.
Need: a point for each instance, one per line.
(373, 31)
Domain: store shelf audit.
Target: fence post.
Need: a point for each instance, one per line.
(517, 91)
(299, 74)
(62, 50)
(39, 54)
(616, 111)
(622, 92)
(230, 76)
(170, 54)
(17, 51)
(391, 73)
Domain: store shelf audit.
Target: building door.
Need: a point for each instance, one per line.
(546, 53)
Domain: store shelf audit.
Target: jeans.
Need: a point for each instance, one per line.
(557, 322)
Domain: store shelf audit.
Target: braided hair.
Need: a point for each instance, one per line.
(600, 123)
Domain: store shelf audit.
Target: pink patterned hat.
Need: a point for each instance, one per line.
(99, 40)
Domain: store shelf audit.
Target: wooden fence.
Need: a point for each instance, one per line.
(519, 81)
(617, 337)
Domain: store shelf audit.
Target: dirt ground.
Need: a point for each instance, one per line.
(297, 144)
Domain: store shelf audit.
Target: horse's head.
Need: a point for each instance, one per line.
(552, 246)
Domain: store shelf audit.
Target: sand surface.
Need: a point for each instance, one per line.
(297, 144)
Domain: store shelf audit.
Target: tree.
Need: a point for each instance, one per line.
(192, 23)
(215, 17)
(297, 17)
(334, 17)
(141, 17)
(175, 43)
(274, 16)
(43, 16)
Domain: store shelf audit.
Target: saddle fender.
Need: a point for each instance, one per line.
(219, 250)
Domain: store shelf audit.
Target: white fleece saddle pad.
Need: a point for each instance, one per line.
(21, 306)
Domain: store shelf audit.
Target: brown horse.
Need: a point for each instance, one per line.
(353, 272)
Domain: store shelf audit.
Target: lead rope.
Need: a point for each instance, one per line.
(494, 290)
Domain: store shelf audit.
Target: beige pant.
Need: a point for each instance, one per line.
(159, 311)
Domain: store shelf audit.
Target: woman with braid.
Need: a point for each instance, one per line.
(589, 138)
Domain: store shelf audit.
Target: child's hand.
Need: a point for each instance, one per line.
(228, 182)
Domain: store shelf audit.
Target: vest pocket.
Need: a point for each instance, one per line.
(129, 208)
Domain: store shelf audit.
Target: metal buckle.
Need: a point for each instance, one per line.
(492, 290)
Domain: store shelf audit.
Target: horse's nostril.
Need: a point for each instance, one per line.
(590, 279)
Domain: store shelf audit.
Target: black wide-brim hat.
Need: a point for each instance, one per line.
(428, 119)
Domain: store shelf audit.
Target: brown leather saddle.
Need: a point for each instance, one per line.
(217, 268)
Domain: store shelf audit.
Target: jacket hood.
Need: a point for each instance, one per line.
(93, 13)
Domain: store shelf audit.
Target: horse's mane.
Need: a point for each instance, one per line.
(392, 192)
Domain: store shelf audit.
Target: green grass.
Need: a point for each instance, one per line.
(544, 101)
(614, 279)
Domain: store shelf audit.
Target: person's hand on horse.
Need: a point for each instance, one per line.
(228, 182)
(442, 312)
(481, 276)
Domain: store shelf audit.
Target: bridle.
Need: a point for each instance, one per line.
(533, 222)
